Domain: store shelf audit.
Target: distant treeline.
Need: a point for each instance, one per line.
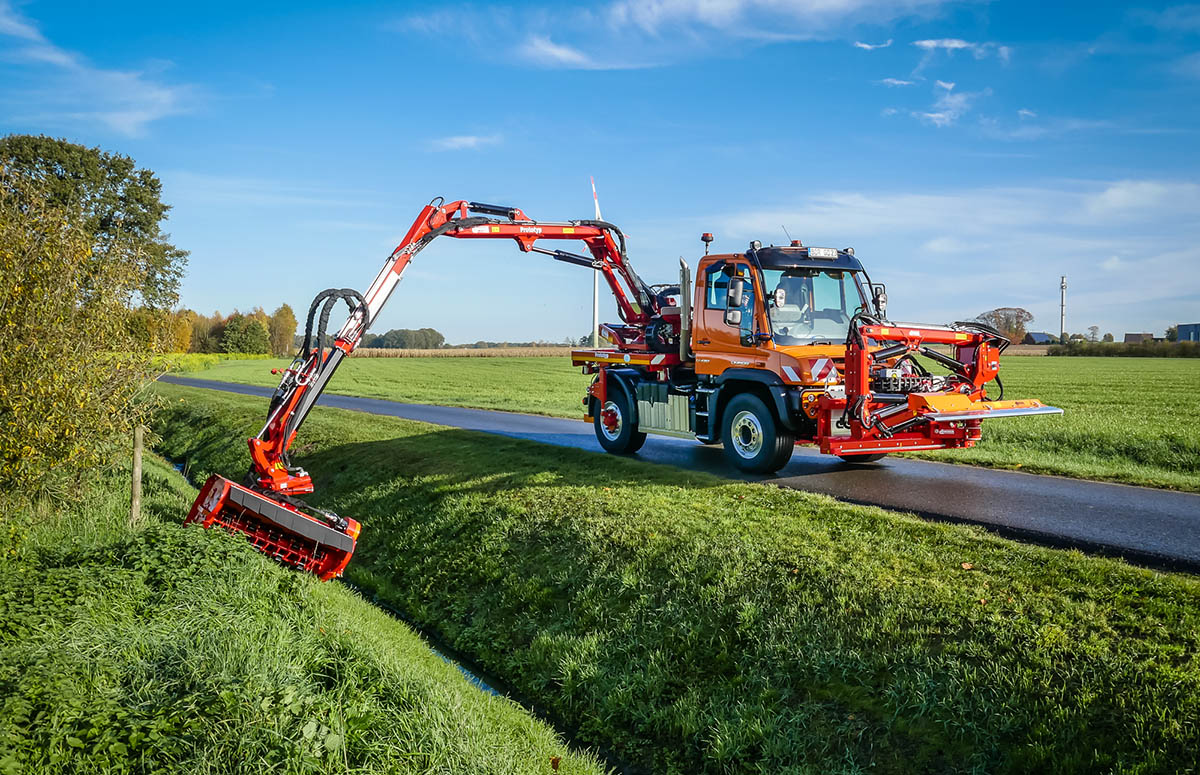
(187, 331)
(432, 339)
(1130, 350)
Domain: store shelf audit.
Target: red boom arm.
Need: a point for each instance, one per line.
(304, 380)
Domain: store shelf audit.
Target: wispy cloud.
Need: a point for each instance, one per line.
(544, 51)
(618, 34)
(464, 142)
(916, 241)
(950, 105)
(1026, 113)
(977, 50)
(895, 82)
(69, 90)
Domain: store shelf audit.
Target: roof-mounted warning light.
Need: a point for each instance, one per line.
(797, 244)
(707, 239)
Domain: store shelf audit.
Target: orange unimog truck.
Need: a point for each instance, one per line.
(775, 347)
(781, 346)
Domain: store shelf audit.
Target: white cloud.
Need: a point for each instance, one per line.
(1129, 198)
(747, 17)
(895, 82)
(544, 51)
(870, 46)
(1026, 113)
(464, 142)
(888, 112)
(1013, 243)
(947, 85)
(950, 105)
(69, 90)
(978, 50)
(621, 33)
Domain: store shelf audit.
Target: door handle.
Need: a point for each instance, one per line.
(703, 341)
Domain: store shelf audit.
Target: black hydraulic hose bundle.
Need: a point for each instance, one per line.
(330, 296)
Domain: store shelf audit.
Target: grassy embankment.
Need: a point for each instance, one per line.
(164, 649)
(699, 625)
(1127, 420)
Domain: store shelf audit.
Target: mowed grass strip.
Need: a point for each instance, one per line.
(172, 649)
(1131, 420)
(697, 625)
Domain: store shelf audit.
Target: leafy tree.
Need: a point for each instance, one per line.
(1093, 333)
(245, 334)
(120, 207)
(407, 339)
(69, 369)
(1108, 337)
(1173, 334)
(1010, 321)
(282, 329)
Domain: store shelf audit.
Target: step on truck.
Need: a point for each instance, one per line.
(767, 349)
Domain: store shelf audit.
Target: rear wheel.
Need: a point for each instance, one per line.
(870, 458)
(754, 440)
(614, 426)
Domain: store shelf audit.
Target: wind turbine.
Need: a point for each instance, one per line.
(595, 278)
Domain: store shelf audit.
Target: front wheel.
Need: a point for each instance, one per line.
(754, 440)
(614, 426)
(865, 458)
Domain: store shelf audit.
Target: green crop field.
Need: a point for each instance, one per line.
(170, 649)
(1131, 420)
(698, 625)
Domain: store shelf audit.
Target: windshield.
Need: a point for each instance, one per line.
(811, 306)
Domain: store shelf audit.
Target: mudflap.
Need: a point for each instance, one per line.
(276, 528)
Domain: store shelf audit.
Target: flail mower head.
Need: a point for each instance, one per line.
(321, 545)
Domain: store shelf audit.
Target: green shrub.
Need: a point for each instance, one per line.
(69, 369)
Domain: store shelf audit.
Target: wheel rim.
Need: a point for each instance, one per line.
(747, 434)
(610, 421)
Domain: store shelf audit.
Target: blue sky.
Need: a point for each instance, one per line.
(971, 152)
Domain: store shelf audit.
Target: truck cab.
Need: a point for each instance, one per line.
(789, 314)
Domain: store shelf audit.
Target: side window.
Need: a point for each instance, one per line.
(716, 285)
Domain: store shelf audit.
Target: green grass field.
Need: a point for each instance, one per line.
(1131, 420)
(699, 625)
(172, 649)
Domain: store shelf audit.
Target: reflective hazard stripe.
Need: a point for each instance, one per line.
(791, 374)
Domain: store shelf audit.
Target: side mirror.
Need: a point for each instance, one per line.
(880, 297)
(733, 317)
(737, 290)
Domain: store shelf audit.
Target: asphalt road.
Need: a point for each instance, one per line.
(1154, 527)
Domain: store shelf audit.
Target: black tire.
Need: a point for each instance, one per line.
(754, 440)
(865, 458)
(625, 439)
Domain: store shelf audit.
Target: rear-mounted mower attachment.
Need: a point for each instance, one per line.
(276, 528)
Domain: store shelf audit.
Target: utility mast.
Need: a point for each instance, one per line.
(1062, 311)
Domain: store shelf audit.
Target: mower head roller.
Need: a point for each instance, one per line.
(277, 527)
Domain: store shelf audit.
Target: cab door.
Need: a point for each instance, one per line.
(717, 344)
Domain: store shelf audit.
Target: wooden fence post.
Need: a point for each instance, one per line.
(135, 507)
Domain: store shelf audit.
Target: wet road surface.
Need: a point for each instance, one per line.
(1148, 526)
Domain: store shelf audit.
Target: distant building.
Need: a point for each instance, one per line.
(1189, 332)
(1039, 337)
(1138, 338)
